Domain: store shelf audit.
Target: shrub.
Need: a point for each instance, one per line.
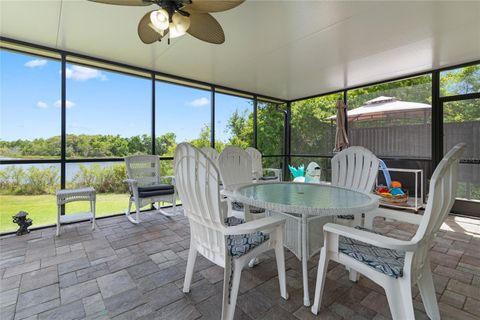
(103, 179)
(31, 181)
(35, 180)
(42, 181)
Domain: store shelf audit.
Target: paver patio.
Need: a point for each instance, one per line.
(126, 271)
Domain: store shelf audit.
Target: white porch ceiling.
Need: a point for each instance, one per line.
(283, 49)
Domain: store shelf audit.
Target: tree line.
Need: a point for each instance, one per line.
(239, 128)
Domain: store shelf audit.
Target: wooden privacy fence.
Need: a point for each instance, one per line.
(407, 141)
(414, 142)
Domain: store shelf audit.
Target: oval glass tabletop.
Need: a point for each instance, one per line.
(305, 198)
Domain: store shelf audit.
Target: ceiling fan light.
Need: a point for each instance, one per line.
(160, 19)
(181, 22)
(174, 32)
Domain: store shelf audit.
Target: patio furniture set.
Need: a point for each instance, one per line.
(236, 213)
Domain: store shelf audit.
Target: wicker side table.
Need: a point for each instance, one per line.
(70, 195)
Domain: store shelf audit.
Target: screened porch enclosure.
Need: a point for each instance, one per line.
(74, 130)
(239, 159)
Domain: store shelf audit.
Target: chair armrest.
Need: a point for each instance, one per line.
(131, 182)
(277, 172)
(273, 169)
(132, 187)
(224, 199)
(263, 224)
(370, 238)
(395, 215)
(228, 190)
(226, 193)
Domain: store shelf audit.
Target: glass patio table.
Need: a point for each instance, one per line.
(304, 199)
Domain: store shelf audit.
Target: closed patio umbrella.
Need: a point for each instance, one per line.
(341, 138)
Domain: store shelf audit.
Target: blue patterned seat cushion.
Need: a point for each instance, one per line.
(387, 261)
(240, 244)
(237, 206)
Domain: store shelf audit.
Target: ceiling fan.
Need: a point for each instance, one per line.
(174, 18)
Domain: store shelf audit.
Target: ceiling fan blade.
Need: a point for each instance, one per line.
(212, 5)
(125, 2)
(205, 27)
(146, 33)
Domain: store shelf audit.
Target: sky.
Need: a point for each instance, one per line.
(100, 102)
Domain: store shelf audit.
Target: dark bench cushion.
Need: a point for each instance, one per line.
(346, 217)
(268, 178)
(386, 261)
(155, 190)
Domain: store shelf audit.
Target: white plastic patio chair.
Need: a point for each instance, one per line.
(146, 187)
(395, 264)
(258, 169)
(355, 168)
(228, 242)
(235, 167)
(211, 153)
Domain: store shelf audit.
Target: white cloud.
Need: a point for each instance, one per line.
(35, 63)
(200, 102)
(83, 73)
(42, 105)
(68, 104)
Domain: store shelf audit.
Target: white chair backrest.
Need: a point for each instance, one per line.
(211, 153)
(442, 194)
(235, 166)
(145, 169)
(256, 156)
(198, 185)
(355, 168)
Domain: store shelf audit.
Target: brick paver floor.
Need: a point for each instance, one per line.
(126, 271)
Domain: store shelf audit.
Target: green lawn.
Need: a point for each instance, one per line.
(42, 209)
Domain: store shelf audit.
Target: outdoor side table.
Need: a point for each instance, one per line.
(71, 195)
(416, 203)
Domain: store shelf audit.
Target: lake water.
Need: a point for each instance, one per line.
(71, 168)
